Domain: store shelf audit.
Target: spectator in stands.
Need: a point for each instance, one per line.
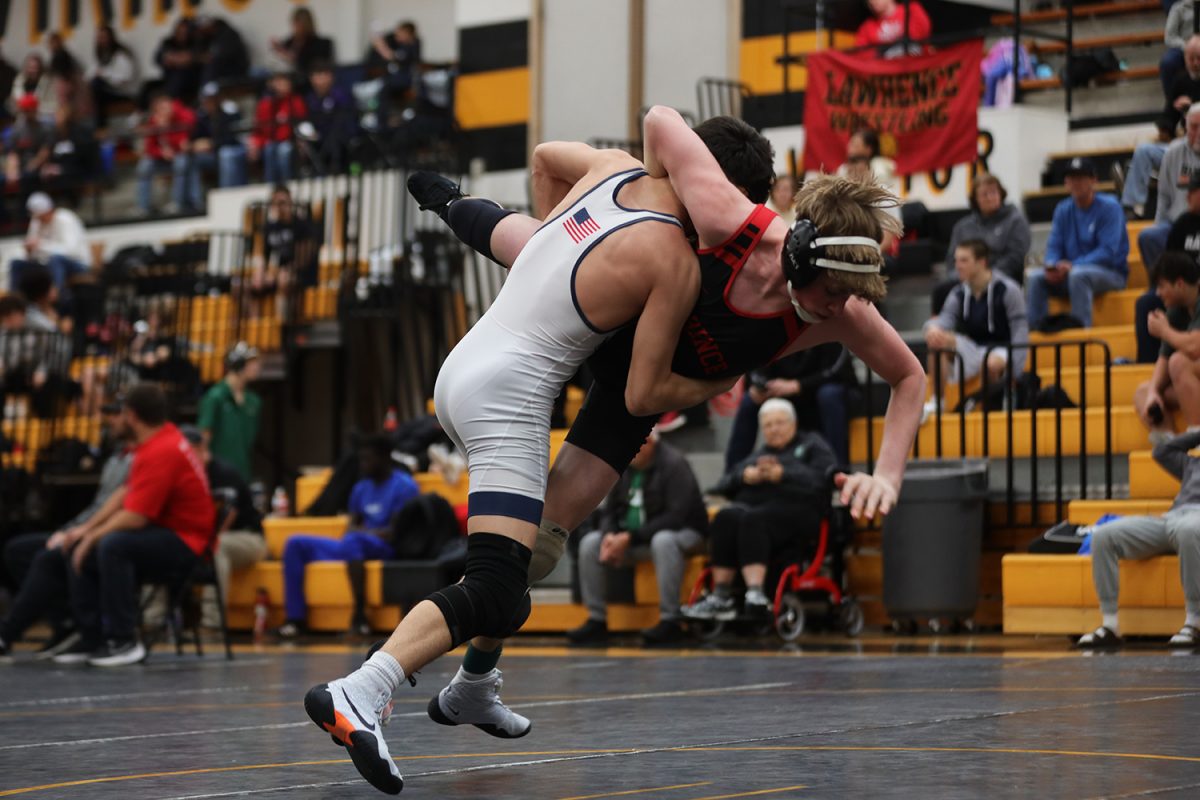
(166, 138)
(215, 145)
(1179, 28)
(778, 493)
(399, 53)
(178, 57)
(1184, 238)
(1184, 88)
(985, 309)
(26, 146)
(819, 382)
(782, 198)
(1138, 537)
(41, 295)
(37, 562)
(889, 23)
(221, 51)
(1174, 173)
(865, 161)
(59, 58)
(1175, 384)
(332, 122)
(12, 312)
(654, 513)
(34, 81)
(275, 120)
(8, 76)
(113, 77)
(1143, 167)
(1087, 251)
(374, 504)
(305, 47)
(73, 154)
(163, 526)
(229, 411)
(240, 541)
(292, 245)
(56, 239)
(998, 224)
(68, 86)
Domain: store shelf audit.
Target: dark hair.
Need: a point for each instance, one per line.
(1175, 265)
(280, 188)
(116, 46)
(978, 247)
(321, 66)
(36, 284)
(409, 26)
(148, 403)
(376, 443)
(305, 17)
(11, 304)
(745, 155)
(870, 138)
(981, 180)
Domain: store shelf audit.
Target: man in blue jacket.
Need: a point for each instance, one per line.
(1088, 248)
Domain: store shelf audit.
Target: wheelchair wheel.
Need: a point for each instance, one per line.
(790, 622)
(706, 630)
(850, 618)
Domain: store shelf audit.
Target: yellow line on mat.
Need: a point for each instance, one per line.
(1000, 750)
(638, 791)
(751, 794)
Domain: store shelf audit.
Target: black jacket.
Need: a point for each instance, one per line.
(814, 367)
(806, 462)
(670, 499)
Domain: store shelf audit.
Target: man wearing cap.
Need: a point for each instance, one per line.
(1088, 248)
(215, 144)
(240, 542)
(37, 563)
(56, 238)
(1179, 162)
(229, 411)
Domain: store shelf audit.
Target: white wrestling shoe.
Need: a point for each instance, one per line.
(478, 703)
(355, 722)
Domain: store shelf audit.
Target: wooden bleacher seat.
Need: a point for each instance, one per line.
(1108, 309)
(1110, 9)
(1086, 512)
(1054, 594)
(1149, 481)
(326, 588)
(1137, 39)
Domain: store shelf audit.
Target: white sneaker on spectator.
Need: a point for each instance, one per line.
(756, 602)
(1157, 437)
(712, 606)
(930, 409)
(478, 703)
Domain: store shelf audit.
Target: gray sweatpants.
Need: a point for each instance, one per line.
(1177, 531)
(669, 550)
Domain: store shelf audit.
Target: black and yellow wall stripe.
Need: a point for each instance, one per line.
(492, 98)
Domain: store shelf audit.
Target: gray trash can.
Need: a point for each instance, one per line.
(932, 541)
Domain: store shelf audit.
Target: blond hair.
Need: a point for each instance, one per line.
(845, 207)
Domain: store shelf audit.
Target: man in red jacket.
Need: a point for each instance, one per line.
(163, 524)
(886, 25)
(166, 135)
(275, 120)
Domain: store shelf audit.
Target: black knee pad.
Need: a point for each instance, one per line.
(473, 220)
(492, 599)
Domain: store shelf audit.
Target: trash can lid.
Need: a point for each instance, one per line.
(945, 479)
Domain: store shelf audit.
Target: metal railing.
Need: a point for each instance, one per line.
(1009, 399)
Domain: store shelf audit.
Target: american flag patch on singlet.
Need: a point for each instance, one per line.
(580, 225)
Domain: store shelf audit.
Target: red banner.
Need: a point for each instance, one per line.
(926, 104)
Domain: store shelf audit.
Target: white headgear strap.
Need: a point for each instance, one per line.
(846, 266)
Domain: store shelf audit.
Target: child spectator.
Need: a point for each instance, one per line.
(374, 503)
(332, 116)
(215, 145)
(167, 134)
(275, 120)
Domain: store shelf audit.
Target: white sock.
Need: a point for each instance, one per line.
(380, 674)
(472, 677)
(1190, 619)
(1110, 621)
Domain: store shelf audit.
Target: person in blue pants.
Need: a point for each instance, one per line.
(374, 503)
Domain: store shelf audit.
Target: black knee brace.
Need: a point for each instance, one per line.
(492, 599)
(473, 221)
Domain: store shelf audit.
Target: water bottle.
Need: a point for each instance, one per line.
(262, 607)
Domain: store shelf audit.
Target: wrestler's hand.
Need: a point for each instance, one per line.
(866, 495)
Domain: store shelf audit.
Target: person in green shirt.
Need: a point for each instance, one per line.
(229, 411)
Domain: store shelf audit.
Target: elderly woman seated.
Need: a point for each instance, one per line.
(779, 494)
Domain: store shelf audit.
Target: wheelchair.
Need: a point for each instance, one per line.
(801, 587)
